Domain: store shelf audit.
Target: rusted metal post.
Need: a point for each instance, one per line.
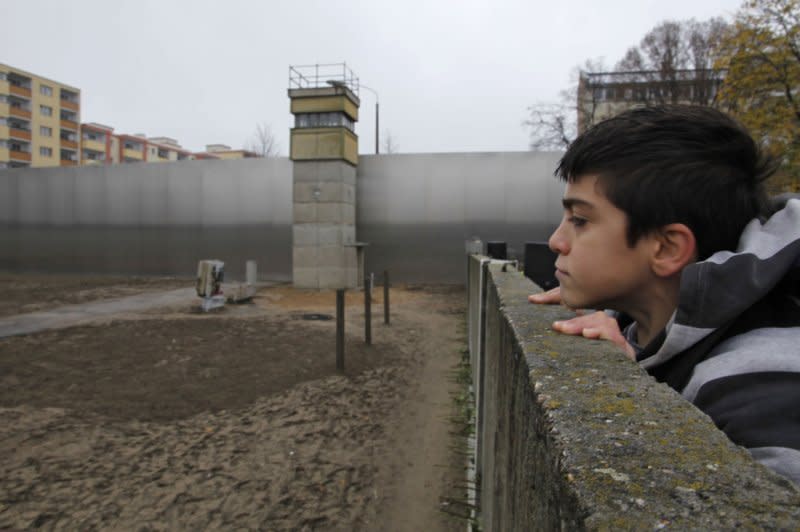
(340, 329)
(386, 297)
(367, 311)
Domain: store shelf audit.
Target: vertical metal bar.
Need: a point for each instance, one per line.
(377, 129)
(367, 311)
(340, 329)
(386, 297)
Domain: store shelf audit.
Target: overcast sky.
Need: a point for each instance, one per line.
(451, 75)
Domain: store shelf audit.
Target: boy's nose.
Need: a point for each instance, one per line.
(557, 242)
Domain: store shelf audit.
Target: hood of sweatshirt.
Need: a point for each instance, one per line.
(715, 291)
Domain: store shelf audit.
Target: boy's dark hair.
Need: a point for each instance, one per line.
(675, 164)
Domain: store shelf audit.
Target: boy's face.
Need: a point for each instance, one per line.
(595, 267)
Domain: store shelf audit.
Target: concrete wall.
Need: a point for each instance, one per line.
(415, 211)
(148, 218)
(572, 435)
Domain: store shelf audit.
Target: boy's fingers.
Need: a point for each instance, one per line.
(598, 326)
(591, 332)
(551, 297)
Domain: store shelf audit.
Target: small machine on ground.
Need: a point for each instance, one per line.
(210, 274)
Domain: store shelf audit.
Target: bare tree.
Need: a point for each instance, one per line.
(554, 125)
(673, 62)
(677, 57)
(263, 142)
(389, 144)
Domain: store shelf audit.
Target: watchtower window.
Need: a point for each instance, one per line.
(334, 119)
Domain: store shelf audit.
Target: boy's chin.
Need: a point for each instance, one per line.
(576, 302)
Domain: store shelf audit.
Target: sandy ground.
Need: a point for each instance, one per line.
(174, 419)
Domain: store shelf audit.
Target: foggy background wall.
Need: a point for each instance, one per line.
(415, 211)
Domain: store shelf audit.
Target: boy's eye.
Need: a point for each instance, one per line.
(577, 221)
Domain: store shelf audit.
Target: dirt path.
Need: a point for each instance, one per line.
(422, 462)
(166, 418)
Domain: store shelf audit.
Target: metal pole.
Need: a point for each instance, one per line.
(340, 329)
(386, 297)
(367, 311)
(377, 129)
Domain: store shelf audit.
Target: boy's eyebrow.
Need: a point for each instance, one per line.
(571, 202)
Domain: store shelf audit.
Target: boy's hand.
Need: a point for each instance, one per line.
(551, 297)
(597, 325)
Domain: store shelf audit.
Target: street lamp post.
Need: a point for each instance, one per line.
(377, 117)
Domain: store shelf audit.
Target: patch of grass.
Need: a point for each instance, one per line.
(459, 505)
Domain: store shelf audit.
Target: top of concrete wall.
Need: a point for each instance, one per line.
(631, 451)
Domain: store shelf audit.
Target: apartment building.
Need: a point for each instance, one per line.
(39, 120)
(100, 145)
(40, 126)
(605, 94)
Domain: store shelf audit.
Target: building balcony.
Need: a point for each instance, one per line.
(132, 154)
(67, 162)
(69, 144)
(19, 112)
(66, 104)
(69, 124)
(94, 145)
(16, 133)
(19, 156)
(16, 90)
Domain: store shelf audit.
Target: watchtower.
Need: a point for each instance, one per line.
(324, 151)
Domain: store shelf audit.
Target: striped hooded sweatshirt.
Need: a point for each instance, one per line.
(732, 347)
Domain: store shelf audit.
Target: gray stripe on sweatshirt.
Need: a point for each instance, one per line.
(679, 338)
(757, 351)
(764, 240)
(782, 460)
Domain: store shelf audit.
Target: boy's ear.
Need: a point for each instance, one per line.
(675, 247)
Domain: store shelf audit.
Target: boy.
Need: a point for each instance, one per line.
(662, 223)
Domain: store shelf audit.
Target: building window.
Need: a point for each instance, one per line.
(45, 90)
(93, 155)
(45, 131)
(45, 151)
(3, 143)
(335, 119)
(3, 76)
(3, 98)
(46, 110)
(93, 135)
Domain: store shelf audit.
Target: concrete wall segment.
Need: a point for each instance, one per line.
(415, 210)
(305, 213)
(576, 436)
(305, 234)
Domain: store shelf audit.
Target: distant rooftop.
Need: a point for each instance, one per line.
(640, 76)
(98, 126)
(212, 148)
(165, 140)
